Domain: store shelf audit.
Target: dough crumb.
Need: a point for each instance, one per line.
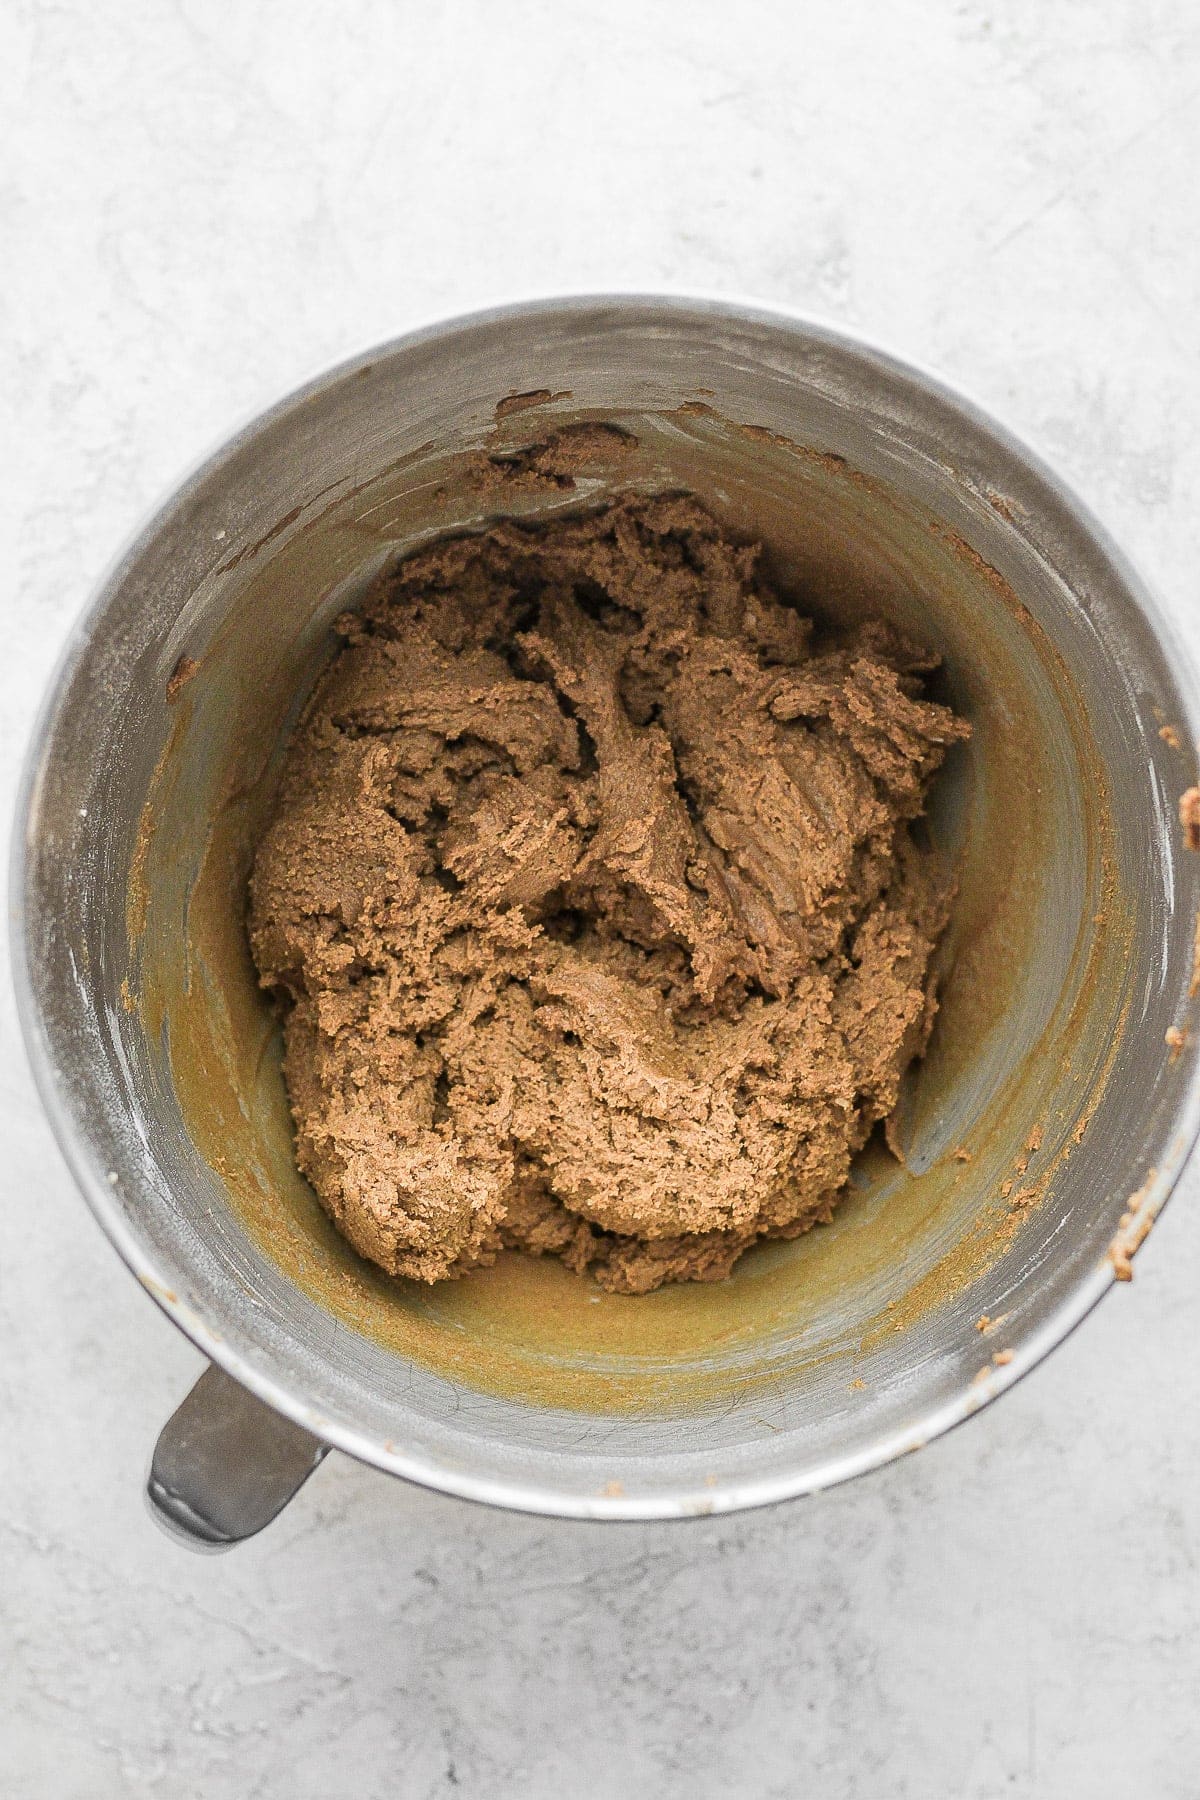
(1033, 1144)
(593, 901)
(1189, 817)
(185, 668)
(1133, 1228)
(515, 403)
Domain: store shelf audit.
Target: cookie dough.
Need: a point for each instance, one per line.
(593, 900)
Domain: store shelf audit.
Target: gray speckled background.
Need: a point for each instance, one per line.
(201, 203)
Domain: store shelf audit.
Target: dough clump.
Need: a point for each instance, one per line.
(593, 899)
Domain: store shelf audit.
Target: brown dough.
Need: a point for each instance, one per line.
(592, 891)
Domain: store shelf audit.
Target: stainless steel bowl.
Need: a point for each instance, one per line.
(1071, 957)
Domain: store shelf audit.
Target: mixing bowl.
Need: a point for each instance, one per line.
(1050, 1094)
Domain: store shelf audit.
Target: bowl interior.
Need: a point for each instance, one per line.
(1069, 955)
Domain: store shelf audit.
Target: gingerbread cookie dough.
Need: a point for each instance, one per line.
(592, 897)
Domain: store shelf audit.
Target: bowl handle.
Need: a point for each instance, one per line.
(226, 1464)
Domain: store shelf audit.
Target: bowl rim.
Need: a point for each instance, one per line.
(730, 1494)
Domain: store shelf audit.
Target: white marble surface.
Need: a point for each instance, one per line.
(201, 203)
